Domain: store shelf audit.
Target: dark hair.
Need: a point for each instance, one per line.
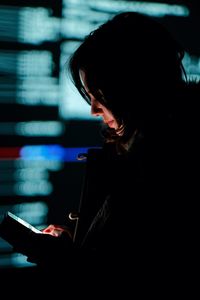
(137, 65)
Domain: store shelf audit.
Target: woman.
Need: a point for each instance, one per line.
(130, 71)
(138, 197)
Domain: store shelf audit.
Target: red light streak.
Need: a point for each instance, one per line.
(10, 152)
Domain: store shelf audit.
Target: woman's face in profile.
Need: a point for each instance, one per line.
(97, 108)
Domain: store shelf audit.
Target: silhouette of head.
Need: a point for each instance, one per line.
(136, 64)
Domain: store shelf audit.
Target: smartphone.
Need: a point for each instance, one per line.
(26, 224)
(17, 232)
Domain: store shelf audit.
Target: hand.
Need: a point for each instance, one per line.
(58, 230)
(47, 248)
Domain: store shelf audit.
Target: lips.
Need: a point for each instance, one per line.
(110, 123)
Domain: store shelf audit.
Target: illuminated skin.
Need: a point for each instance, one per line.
(98, 109)
(57, 230)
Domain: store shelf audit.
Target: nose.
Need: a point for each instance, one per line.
(96, 108)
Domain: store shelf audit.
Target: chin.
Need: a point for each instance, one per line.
(112, 124)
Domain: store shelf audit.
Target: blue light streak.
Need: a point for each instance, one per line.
(52, 152)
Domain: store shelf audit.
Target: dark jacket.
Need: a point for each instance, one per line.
(138, 212)
(144, 204)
